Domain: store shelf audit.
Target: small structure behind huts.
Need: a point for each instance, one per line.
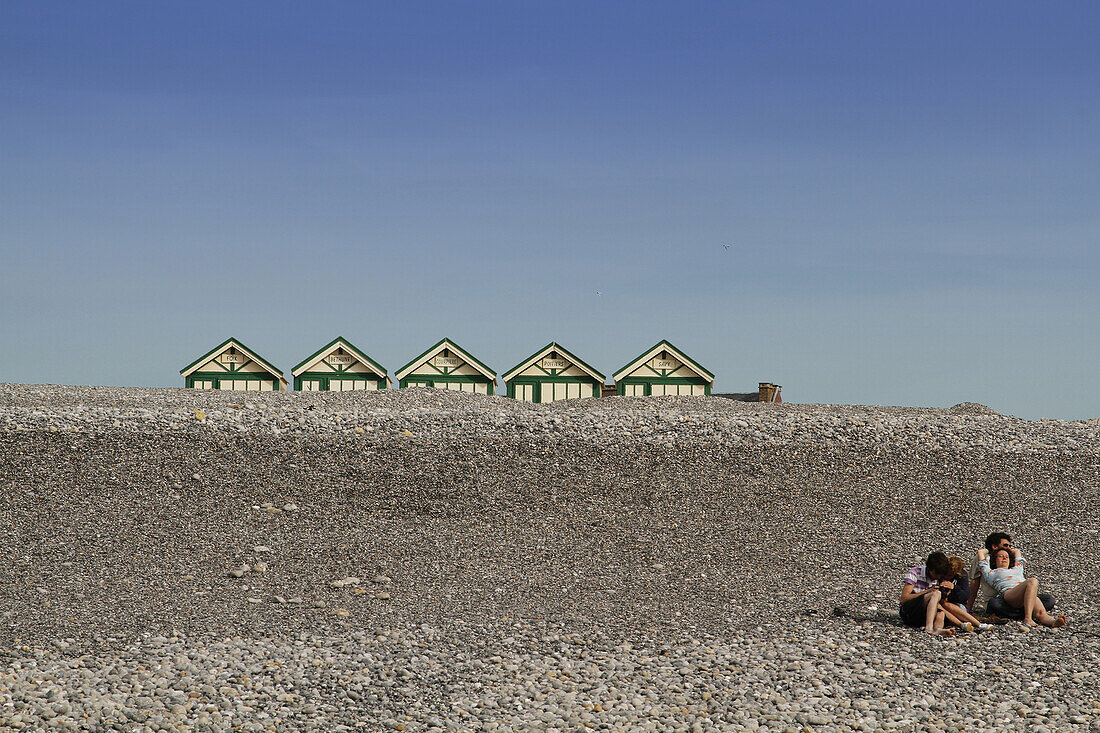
(767, 392)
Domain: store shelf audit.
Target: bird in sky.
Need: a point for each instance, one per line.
(726, 246)
(597, 292)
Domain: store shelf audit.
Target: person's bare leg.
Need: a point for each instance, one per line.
(940, 619)
(959, 615)
(950, 616)
(1047, 620)
(932, 613)
(1031, 599)
(937, 623)
(1024, 595)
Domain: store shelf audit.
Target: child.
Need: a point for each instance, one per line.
(956, 590)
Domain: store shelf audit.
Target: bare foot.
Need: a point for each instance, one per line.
(1046, 619)
(1060, 621)
(1030, 622)
(942, 632)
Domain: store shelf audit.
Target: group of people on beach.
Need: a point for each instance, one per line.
(941, 595)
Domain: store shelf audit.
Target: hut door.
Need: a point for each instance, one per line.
(525, 392)
(349, 385)
(554, 391)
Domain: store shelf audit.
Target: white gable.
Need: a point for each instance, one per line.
(340, 356)
(443, 359)
(664, 361)
(552, 361)
(232, 357)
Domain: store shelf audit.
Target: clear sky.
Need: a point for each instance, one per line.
(909, 191)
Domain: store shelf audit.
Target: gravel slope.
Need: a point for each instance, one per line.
(458, 521)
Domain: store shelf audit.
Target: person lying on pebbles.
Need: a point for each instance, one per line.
(995, 605)
(955, 589)
(1005, 573)
(920, 596)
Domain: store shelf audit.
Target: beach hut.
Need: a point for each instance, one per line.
(552, 373)
(233, 366)
(663, 370)
(339, 366)
(447, 366)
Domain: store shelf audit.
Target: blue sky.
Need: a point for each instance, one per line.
(909, 191)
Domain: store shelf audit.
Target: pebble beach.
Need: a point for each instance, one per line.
(423, 560)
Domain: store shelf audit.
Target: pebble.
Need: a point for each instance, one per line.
(622, 563)
(654, 421)
(414, 678)
(345, 581)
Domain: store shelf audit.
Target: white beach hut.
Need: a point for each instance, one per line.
(233, 366)
(448, 366)
(663, 370)
(552, 373)
(339, 366)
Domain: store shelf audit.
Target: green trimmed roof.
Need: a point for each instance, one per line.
(347, 345)
(234, 342)
(453, 347)
(552, 346)
(668, 345)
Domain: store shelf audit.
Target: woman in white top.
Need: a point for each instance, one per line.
(1007, 577)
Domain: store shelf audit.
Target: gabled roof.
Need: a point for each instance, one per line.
(663, 346)
(346, 345)
(451, 346)
(552, 346)
(240, 347)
